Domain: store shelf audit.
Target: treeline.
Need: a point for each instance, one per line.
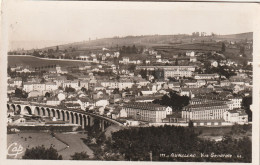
(173, 100)
(221, 70)
(164, 143)
(128, 50)
(246, 102)
(159, 143)
(157, 74)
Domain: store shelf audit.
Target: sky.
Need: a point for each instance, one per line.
(37, 23)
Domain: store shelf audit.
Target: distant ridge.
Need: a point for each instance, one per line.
(239, 36)
(148, 40)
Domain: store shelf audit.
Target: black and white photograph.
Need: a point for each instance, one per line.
(135, 81)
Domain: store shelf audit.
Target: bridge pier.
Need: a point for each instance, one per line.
(107, 124)
(82, 122)
(102, 125)
(83, 126)
(91, 121)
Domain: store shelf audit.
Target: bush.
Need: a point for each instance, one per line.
(41, 152)
(80, 156)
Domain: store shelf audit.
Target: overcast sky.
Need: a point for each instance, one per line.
(76, 21)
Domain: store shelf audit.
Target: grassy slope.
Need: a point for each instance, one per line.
(149, 41)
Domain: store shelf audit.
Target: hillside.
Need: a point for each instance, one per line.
(150, 41)
(241, 36)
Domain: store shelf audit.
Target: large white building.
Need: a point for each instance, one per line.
(190, 53)
(18, 82)
(28, 87)
(147, 111)
(207, 111)
(109, 83)
(190, 68)
(123, 84)
(236, 116)
(206, 76)
(51, 86)
(235, 102)
(178, 72)
(72, 84)
(41, 87)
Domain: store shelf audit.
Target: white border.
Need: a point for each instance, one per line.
(3, 75)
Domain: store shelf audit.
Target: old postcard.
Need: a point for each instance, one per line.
(157, 82)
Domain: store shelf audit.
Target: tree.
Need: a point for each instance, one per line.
(159, 74)
(250, 48)
(57, 48)
(190, 124)
(137, 143)
(134, 49)
(20, 93)
(80, 156)
(70, 77)
(116, 91)
(176, 62)
(173, 100)
(128, 49)
(42, 80)
(172, 79)
(123, 50)
(131, 67)
(83, 89)
(40, 152)
(143, 73)
(36, 53)
(246, 102)
(242, 50)
(223, 48)
(70, 89)
(9, 70)
(47, 94)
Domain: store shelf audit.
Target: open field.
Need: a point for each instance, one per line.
(76, 144)
(37, 62)
(218, 132)
(37, 139)
(213, 131)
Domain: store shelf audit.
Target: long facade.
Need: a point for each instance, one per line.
(147, 111)
(211, 111)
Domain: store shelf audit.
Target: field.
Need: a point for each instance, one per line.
(36, 62)
(29, 140)
(214, 133)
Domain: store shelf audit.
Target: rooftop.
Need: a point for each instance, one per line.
(145, 106)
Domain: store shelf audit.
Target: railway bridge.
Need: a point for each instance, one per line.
(74, 116)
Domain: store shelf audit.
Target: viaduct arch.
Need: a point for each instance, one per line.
(79, 117)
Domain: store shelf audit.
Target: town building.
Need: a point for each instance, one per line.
(177, 72)
(146, 111)
(153, 67)
(238, 116)
(190, 53)
(206, 76)
(207, 111)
